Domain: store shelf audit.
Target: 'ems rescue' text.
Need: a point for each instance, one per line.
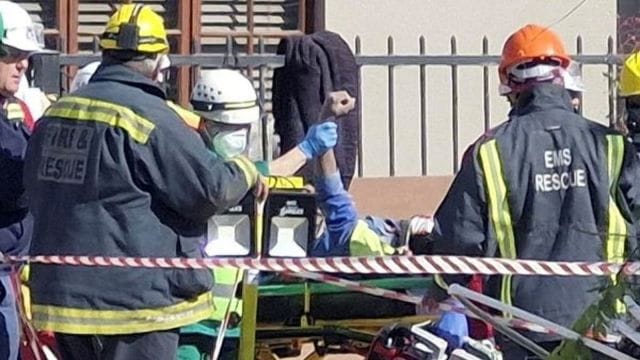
(558, 179)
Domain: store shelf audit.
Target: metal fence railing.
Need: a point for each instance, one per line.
(49, 76)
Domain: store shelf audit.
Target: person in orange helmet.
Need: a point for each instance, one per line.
(547, 184)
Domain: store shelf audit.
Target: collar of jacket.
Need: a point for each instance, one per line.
(542, 97)
(123, 74)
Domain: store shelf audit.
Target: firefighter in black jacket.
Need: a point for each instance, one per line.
(547, 184)
(113, 171)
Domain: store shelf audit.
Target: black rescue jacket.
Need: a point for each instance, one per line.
(113, 171)
(545, 185)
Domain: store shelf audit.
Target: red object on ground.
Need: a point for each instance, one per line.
(479, 329)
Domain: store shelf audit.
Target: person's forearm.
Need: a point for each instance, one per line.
(289, 163)
(328, 165)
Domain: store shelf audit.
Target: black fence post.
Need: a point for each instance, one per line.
(579, 52)
(423, 109)
(391, 110)
(486, 95)
(267, 150)
(358, 46)
(611, 83)
(454, 104)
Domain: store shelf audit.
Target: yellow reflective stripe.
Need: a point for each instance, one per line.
(248, 168)
(617, 227)
(439, 280)
(77, 108)
(14, 112)
(220, 307)
(104, 322)
(225, 280)
(55, 324)
(240, 105)
(496, 190)
(190, 118)
(123, 314)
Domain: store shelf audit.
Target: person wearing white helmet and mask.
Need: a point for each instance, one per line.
(19, 39)
(228, 106)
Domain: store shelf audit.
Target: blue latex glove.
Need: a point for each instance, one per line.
(320, 138)
(452, 327)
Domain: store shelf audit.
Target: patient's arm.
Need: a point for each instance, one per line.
(340, 214)
(289, 163)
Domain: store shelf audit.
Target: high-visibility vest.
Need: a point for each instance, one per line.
(500, 214)
(224, 296)
(18, 112)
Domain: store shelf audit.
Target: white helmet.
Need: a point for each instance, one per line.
(83, 76)
(538, 72)
(18, 30)
(164, 63)
(572, 78)
(225, 96)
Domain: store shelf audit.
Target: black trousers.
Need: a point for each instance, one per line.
(158, 345)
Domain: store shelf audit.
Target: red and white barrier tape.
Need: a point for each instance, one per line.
(356, 265)
(310, 267)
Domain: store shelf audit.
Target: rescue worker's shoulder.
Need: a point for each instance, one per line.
(190, 118)
(488, 135)
(600, 129)
(105, 111)
(166, 119)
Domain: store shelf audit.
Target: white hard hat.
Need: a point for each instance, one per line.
(17, 30)
(538, 72)
(572, 78)
(164, 63)
(225, 96)
(83, 76)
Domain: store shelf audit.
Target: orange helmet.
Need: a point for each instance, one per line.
(532, 42)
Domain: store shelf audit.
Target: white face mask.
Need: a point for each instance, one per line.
(230, 143)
